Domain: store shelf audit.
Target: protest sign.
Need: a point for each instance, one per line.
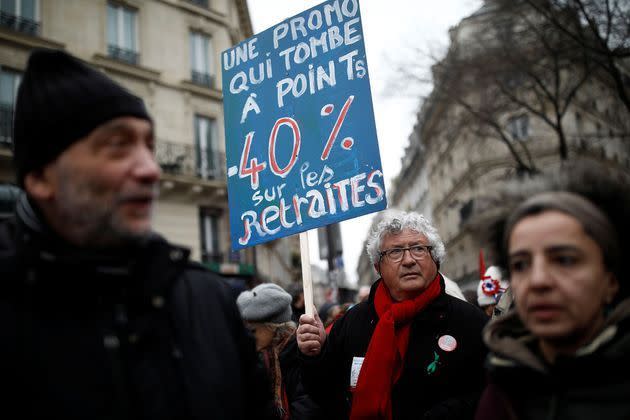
(301, 143)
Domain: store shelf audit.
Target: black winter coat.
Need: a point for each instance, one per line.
(451, 392)
(301, 405)
(593, 383)
(144, 334)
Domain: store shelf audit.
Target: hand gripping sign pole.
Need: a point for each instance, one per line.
(307, 281)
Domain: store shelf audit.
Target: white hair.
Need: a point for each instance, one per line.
(394, 222)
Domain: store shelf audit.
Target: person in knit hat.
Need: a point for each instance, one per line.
(266, 310)
(59, 102)
(101, 316)
(490, 289)
(266, 303)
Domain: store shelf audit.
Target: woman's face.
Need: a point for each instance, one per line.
(559, 279)
(262, 333)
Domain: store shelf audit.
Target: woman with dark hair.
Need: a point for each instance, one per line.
(560, 353)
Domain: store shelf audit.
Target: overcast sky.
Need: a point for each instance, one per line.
(390, 33)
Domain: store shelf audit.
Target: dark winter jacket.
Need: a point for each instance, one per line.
(449, 392)
(592, 384)
(301, 404)
(144, 334)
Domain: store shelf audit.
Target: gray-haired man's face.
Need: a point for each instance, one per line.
(407, 278)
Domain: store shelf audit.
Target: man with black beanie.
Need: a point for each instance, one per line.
(100, 317)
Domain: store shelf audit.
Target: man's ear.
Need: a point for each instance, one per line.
(377, 268)
(437, 263)
(38, 185)
(612, 287)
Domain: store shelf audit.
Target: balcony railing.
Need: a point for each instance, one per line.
(6, 118)
(19, 23)
(182, 159)
(203, 79)
(123, 54)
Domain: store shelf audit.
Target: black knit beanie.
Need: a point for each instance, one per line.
(61, 100)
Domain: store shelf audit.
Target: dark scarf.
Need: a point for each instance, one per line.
(271, 357)
(386, 352)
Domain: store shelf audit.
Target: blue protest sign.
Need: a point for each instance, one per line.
(301, 143)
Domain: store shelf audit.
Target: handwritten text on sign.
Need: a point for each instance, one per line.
(301, 142)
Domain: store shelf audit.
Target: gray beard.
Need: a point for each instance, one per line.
(98, 228)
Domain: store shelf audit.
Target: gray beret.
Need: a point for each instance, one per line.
(266, 302)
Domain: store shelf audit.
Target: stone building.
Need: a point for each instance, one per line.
(448, 164)
(167, 52)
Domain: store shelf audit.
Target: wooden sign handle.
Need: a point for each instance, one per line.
(307, 282)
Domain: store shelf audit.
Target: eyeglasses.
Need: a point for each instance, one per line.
(418, 252)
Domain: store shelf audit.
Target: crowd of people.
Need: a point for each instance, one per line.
(104, 318)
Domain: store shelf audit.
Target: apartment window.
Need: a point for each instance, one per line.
(518, 127)
(209, 226)
(200, 3)
(205, 144)
(465, 211)
(9, 82)
(578, 123)
(19, 15)
(514, 79)
(122, 33)
(201, 59)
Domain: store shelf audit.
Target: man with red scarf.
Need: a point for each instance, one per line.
(410, 351)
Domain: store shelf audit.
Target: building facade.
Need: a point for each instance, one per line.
(168, 53)
(462, 165)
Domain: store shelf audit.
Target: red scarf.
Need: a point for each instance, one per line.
(385, 355)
